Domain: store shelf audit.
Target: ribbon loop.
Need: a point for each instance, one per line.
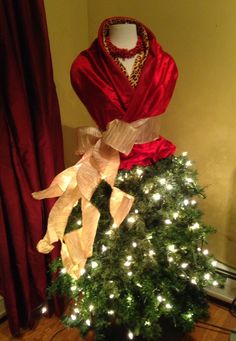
(100, 160)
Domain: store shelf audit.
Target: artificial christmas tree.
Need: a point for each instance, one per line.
(133, 243)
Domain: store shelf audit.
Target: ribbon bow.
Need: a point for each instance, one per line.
(100, 161)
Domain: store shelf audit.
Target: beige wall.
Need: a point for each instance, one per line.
(201, 118)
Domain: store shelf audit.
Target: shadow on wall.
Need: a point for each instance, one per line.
(231, 224)
(70, 145)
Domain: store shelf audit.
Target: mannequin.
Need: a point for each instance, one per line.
(124, 36)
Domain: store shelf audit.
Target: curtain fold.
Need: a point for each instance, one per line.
(31, 154)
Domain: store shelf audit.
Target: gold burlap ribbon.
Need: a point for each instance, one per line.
(100, 160)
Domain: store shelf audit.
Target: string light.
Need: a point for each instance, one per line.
(127, 263)
(175, 215)
(207, 276)
(168, 222)
(73, 288)
(168, 306)
(162, 181)
(120, 178)
(109, 232)
(156, 196)
(193, 202)
(73, 317)
(149, 237)
(114, 225)
(184, 265)
(134, 244)
(91, 307)
(63, 271)
(172, 248)
(139, 171)
(151, 253)
(88, 322)
(160, 298)
(130, 273)
(104, 248)
(111, 296)
(94, 264)
(199, 249)
(195, 226)
(131, 220)
(44, 310)
(79, 222)
(185, 153)
(214, 263)
(139, 285)
(76, 310)
(194, 281)
(82, 272)
(169, 187)
(136, 211)
(215, 283)
(130, 335)
(189, 180)
(170, 259)
(186, 202)
(188, 163)
(205, 252)
(147, 323)
(110, 312)
(129, 257)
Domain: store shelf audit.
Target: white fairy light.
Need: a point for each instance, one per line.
(168, 222)
(183, 275)
(172, 248)
(139, 171)
(79, 222)
(195, 226)
(146, 190)
(199, 249)
(88, 322)
(207, 276)
(127, 263)
(189, 180)
(129, 257)
(205, 252)
(168, 306)
(130, 335)
(63, 271)
(73, 317)
(110, 312)
(175, 215)
(111, 296)
(109, 232)
(120, 178)
(114, 225)
(76, 310)
(136, 211)
(194, 281)
(214, 263)
(91, 307)
(147, 323)
(149, 237)
(162, 181)
(156, 196)
(130, 273)
(170, 259)
(159, 298)
(129, 298)
(215, 283)
(82, 272)
(185, 153)
(193, 202)
(152, 253)
(44, 310)
(73, 288)
(188, 163)
(131, 220)
(186, 202)
(169, 187)
(104, 248)
(139, 285)
(189, 315)
(184, 265)
(134, 244)
(94, 264)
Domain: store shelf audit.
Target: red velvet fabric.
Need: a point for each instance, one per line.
(107, 93)
(31, 153)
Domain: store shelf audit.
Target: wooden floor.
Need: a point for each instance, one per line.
(51, 329)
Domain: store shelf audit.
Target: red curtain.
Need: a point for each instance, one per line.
(31, 153)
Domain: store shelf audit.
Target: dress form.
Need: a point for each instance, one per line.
(124, 36)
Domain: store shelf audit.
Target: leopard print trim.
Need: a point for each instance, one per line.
(140, 58)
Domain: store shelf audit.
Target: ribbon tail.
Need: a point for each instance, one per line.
(72, 268)
(57, 219)
(120, 205)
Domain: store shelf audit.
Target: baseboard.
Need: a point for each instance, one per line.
(2, 307)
